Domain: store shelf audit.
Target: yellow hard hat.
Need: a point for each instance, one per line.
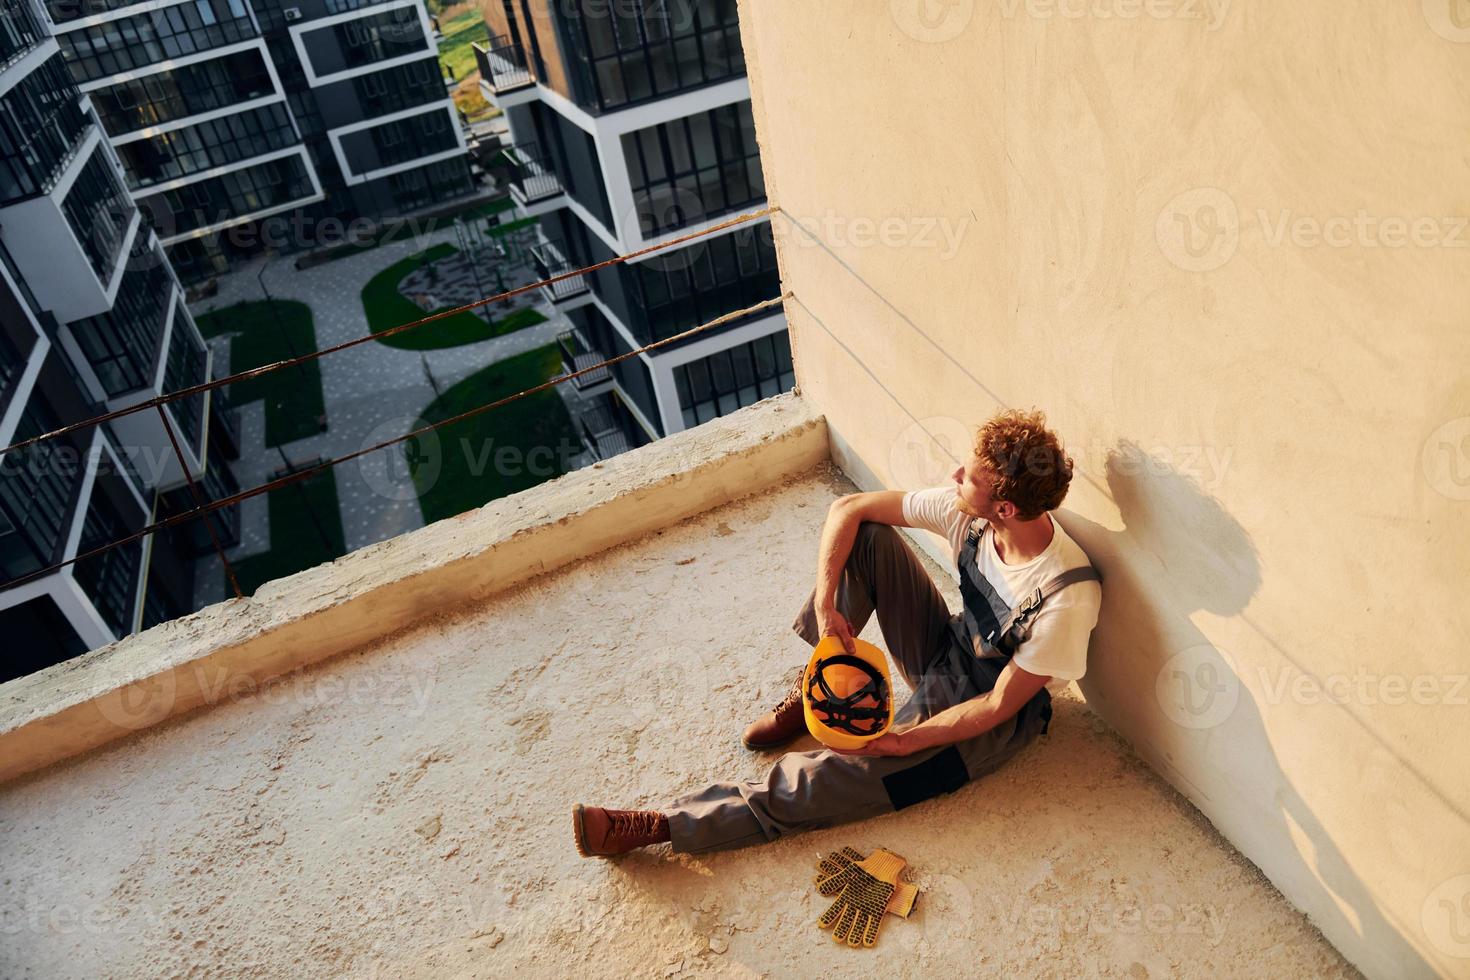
(847, 698)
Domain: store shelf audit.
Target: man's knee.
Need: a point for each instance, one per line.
(874, 537)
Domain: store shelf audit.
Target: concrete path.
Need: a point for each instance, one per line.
(372, 392)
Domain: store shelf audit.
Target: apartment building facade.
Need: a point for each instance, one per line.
(631, 125)
(92, 319)
(253, 125)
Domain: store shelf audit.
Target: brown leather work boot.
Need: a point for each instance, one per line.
(604, 833)
(779, 725)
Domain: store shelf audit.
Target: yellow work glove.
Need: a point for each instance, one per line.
(830, 881)
(867, 886)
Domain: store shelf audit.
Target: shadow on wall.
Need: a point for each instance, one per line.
(1197, 558)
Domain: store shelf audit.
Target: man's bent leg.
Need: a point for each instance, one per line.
(808, 790)
(883, 574)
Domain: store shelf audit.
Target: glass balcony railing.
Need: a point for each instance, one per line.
(577, 354)
(110, 578)
(602, 430)
(502, 64)
(533, 178)
(550, 261)
(21, 29)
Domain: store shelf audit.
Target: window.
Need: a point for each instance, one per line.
(99, 211)
(164, 96)
(215, 142)
(240, 192)
(129, 43)
(731, 379)
(122, 344)
(642, 49)
(41, 124)
(694, 284)
(36, 485)
(692, 169)
(110, 579)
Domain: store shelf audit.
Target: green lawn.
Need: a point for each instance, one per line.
(490, 455)
(266, 332)
(306, 530)
(459, 33)
(464, 27)
(386, 308)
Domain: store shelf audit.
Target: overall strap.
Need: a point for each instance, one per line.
(1017, 626)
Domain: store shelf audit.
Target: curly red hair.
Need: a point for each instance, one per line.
(1031, 469)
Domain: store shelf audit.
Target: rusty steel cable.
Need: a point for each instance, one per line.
(307, 472)
(210, 385)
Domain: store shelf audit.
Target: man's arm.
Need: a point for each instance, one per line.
(980, 714)
(838, 534)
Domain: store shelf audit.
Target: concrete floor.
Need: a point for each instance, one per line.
(403, 811)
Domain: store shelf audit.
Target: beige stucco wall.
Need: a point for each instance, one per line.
(1271, 422)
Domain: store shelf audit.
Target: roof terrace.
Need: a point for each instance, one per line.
(366, 769)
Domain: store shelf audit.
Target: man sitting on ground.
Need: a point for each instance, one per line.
(979, 695)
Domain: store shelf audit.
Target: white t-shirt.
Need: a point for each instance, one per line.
(1057, 647)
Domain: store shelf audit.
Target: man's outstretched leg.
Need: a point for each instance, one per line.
(599, 832)
(807, 790)
(882, 575)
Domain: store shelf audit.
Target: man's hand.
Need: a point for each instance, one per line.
(830, 622)
(889, 743)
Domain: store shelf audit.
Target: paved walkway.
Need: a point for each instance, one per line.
(372, 392)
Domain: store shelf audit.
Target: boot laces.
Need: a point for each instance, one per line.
(633, 823)
(792, 698)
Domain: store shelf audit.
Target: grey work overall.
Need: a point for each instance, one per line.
(944, 659)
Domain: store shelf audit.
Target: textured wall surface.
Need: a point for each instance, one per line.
(1224, 247)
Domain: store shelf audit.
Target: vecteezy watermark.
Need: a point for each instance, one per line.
(286, 233)
(1198, 687)
(1445, 916)
(1211, 12)
(944, 913)
(1200, 230)
(400, 682)
(927, 452)
(1365, 687)
(1160, 918)
(667, 682)
(1362, 229)
(1445, 459)
(53, 920)
(940, 232)
(405, 470)
(55, 458)
(1450, 19)
(673, 17)
(932, 21)
(1206, 464)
